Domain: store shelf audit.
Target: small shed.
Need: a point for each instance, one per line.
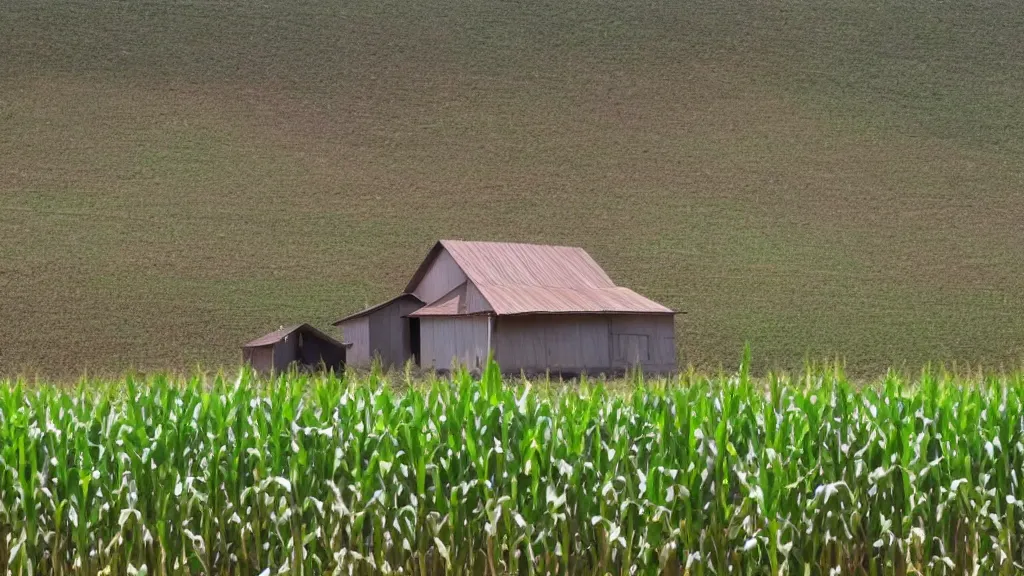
(300, 345)
(384, 332)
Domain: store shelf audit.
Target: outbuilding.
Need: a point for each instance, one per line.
(301, 346)
(383, 332)
(536, 308)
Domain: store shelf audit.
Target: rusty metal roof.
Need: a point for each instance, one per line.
(533, 279)
(511, 300)
(454, 303)
(376, 307)
(281, 334)
(507, 264)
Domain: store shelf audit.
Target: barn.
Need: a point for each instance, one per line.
(301, 346)
(536, 308)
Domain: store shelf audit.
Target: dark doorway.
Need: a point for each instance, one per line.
(414, 339)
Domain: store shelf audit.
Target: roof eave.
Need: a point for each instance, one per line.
(552, 313)
(465, 314)
(421, 271)
(283, 331)
(286, 332)
(590, 313)
(376, 307)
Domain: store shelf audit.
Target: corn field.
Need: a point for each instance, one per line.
(343, 475)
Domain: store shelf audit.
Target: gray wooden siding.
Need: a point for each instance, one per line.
(357, 332)
(285, 353)
(572, 343)
(261, 359)
(647, 339)
(441, 278)
(389, 333)
(461, 338)
(584, 343)
(475, 301)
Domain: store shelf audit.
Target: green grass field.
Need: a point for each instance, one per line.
(816, 178)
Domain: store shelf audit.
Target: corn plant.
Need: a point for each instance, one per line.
(307, 475)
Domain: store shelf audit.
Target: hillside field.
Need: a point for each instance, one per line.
(818, 179)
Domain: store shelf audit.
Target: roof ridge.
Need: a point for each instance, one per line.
(554, 286)
(492, 242)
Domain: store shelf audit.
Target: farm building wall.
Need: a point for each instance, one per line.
(301, 344)
(475, 301)
(571, 343)
(647, 340)
(260, 358)
(389, 332)
(317, 354)
(285, 352)
(462, 338)
(441, 278)
(357, 332)
(584, 343)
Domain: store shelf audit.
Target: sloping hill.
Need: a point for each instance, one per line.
(818, 179)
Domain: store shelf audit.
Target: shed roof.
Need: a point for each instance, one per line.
(282, 333)
(534, 279)
(376, 307)
(453, 303)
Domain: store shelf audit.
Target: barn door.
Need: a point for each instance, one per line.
(414, 339)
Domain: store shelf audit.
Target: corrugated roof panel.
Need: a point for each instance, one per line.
(532, 278)
(511, 264)
(451, 304)
(376, 307)
(509, 300)
(273, 337)
(282, 333)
